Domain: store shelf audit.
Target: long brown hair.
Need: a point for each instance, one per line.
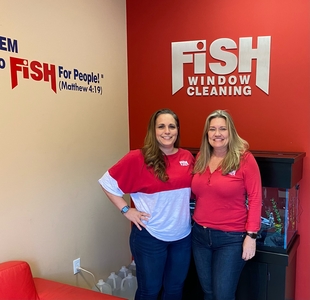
(235, 149)
(153, 157)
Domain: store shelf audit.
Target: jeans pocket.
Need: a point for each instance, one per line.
(235, 235)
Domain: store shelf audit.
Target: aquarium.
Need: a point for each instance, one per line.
(280, 173)
(279, 218)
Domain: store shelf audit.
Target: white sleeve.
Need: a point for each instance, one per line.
(110, 184)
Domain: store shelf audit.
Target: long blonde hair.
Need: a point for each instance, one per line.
(235, 149)
(153, 157)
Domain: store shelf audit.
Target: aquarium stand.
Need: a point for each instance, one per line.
(269, 275)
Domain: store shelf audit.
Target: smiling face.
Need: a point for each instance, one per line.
(166, 131)
(218, 134)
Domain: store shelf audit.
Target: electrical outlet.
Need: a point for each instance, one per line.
(76, 265)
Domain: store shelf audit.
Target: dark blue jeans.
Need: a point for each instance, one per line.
(218, 259)
(160, 266)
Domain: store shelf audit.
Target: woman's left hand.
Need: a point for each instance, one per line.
(249, 248)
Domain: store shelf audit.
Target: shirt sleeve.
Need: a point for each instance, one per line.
(110, 184)
(253, 187)
(127, 172)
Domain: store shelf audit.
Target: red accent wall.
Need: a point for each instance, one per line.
(277, 121)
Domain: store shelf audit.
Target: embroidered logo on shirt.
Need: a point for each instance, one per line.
(233, 173)
(184, 163)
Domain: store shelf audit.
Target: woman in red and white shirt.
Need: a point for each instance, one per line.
(158, 178)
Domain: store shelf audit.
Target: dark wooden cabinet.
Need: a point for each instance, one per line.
(269, 275)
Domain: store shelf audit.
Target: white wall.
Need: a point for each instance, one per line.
(55, 146)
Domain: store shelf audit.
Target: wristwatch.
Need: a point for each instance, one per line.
(125, 209)
(252, 235)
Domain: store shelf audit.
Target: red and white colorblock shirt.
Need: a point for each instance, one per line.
(166, 202)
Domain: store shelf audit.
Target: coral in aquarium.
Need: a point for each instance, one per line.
(278, 221)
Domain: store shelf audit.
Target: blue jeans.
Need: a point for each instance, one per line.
(160, 266)
(218, 259)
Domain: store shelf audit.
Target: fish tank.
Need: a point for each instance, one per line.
(279, 218)
(281, 173)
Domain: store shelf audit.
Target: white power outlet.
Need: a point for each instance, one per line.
(76, 265)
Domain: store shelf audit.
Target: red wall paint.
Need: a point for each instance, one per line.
(278, 121)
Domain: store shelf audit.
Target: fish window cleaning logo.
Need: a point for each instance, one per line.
(184, 163)
(216, 78)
